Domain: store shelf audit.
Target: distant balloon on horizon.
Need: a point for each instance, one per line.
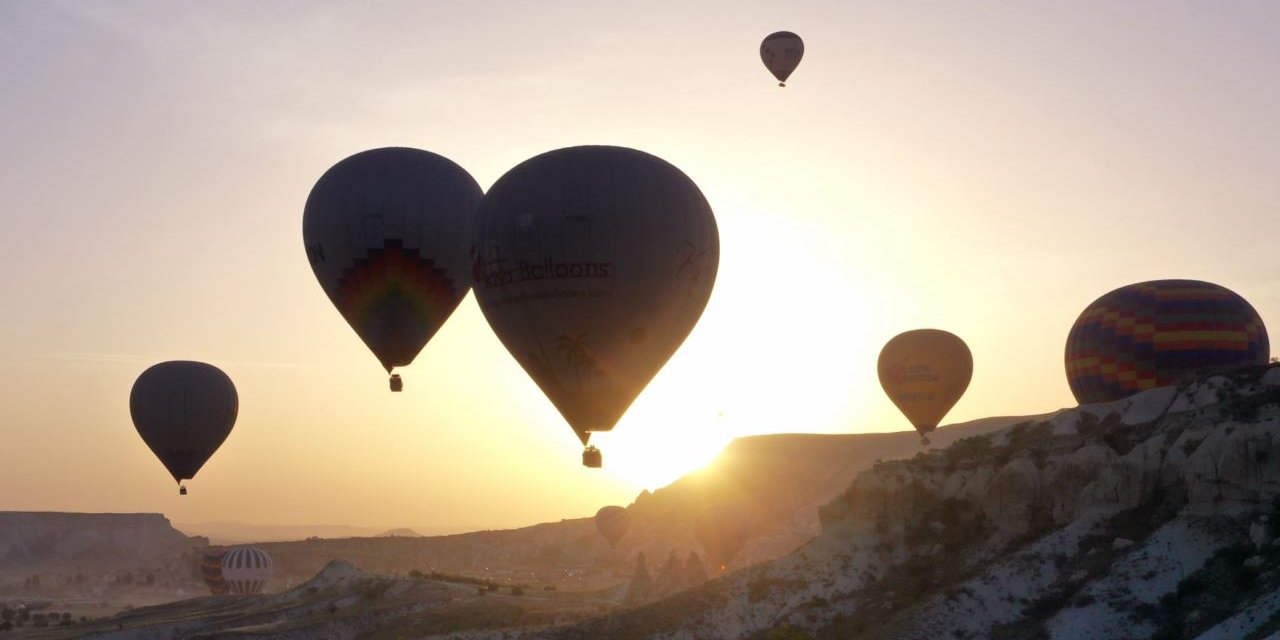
(246, 570)
(781, 53)
(184, 411)
(925, 372)
(211, 572)
(612, 522)
(722, 530)
(1157, 333)
(387, 232)
(592, 265)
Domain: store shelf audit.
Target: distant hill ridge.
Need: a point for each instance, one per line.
(402, 532)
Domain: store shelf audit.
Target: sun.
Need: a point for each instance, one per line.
(772, 353)
(658, 447)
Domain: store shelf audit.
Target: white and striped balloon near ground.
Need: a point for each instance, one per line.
(246, 570)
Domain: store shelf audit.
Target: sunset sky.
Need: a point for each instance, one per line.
(988, 168)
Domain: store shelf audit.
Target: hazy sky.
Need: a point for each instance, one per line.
(988, 168)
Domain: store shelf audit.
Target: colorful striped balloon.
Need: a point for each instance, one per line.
(211, 572)
(387, 232)
(246, 570)
(1154, 334)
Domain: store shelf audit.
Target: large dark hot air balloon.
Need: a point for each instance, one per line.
(246, 570)
(183, 411)
(593, 264)
(722, 530)
(1156, 333)
(211, 572)
(925, 372)
(387, 233)
(781, 53)
(612, 523)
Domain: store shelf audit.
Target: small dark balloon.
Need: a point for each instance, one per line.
(184, 411)
(722, 530)
(612, 523)
(781, 53)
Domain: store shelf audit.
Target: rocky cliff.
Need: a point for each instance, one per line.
(29, 539)
(1153, 517)
(779, 481)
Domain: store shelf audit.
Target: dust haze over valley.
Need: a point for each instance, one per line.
(722, 320)
(106, 566)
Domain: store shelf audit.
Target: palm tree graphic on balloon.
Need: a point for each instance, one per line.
(577, 351)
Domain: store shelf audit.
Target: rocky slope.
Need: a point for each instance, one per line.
(1153, 517)
(779, 479)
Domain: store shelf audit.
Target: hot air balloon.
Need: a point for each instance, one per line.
(612, 523)
(722, 530)
(387, 233)
(183, 411)
(246, 570)
(781, 53)
(925, 372)
(592, 265)
(1156, 333)
(211, 572)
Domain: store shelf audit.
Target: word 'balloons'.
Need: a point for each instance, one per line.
(387, 233)
(722, 530)
(1156, 333)
(246, 570)
(593, 264)
(184, 411)
(612, 523)
(925, 372)
(781, 53)
(211, 573)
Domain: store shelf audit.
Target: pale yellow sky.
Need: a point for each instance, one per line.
(978, 167)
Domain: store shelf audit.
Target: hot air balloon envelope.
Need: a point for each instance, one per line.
(612, 523)
(593, 265)
(211, 573)
(246, 570)
(722, 530)
(925, 372)
(387, 232)
(184, 411)
(781, 53)
(1156, 333)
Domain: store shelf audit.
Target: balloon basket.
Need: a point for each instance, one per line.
(591, 458)
(182, 491)
(397, 385)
